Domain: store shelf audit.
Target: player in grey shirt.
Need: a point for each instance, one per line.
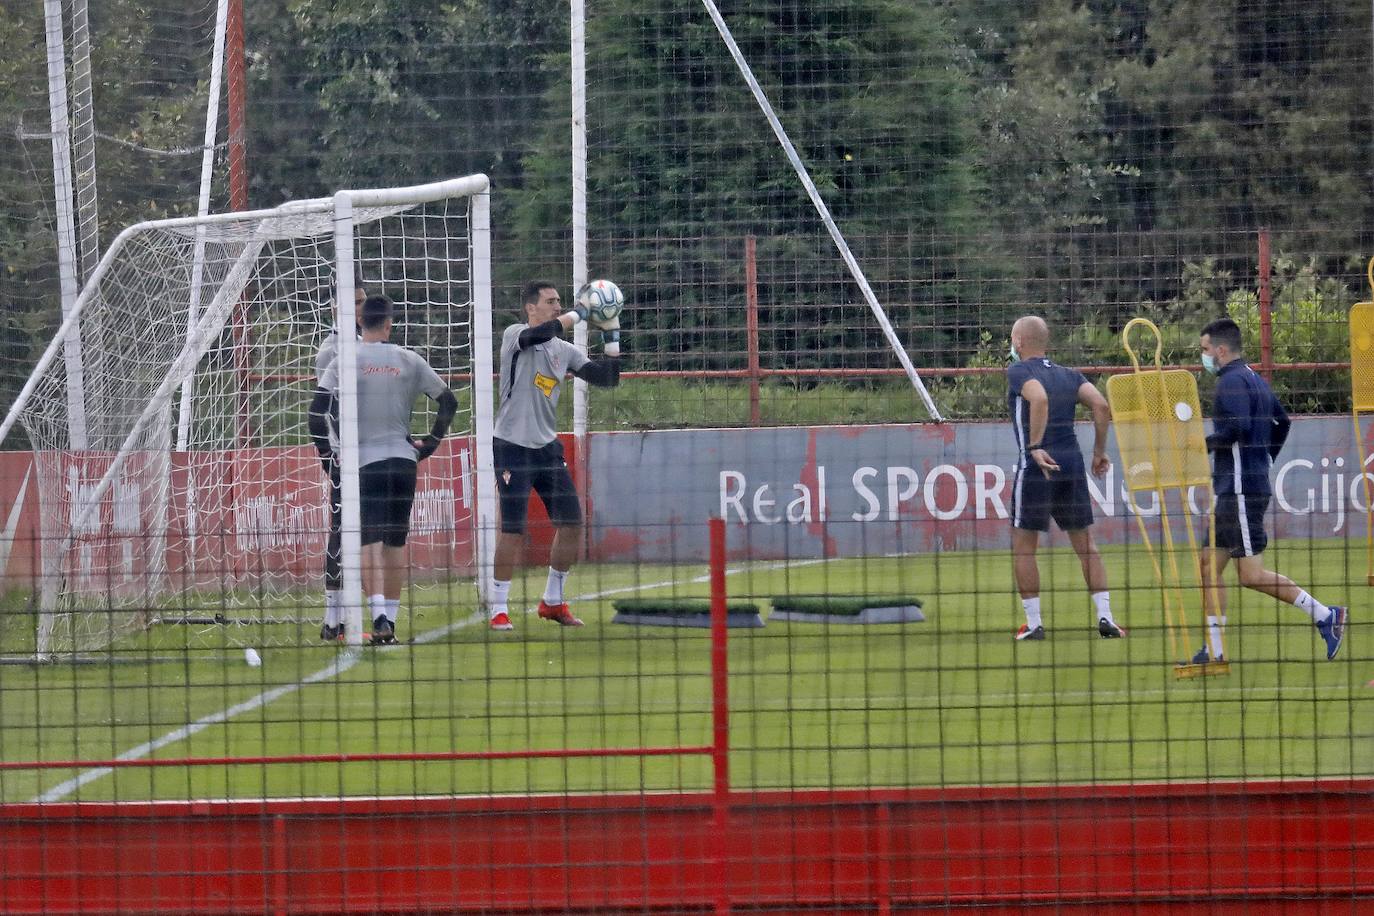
(332, 628)
(527, 454)
(389, 380)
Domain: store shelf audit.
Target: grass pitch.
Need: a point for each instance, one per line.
(952, 701)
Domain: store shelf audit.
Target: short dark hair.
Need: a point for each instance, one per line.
(530, 294)
(376, 312)
(1226, 332)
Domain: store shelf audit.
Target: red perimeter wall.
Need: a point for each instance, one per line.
(1185, 848)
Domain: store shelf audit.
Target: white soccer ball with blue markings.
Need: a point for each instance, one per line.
(602, 299)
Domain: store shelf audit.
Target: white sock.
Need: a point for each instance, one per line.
(1214, 627)
(393, 607)
(332, 602)
(1314, 608)
(1102, 601)
(1032, 608)
(377, 603)
(553, 589)
(500, 591)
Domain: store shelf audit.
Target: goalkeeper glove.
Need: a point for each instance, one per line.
(610, 335)
(426, 446)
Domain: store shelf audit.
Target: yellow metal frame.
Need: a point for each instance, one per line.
(1362, 401)
(1178, 473)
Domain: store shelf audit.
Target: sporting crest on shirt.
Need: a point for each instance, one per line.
(545, 384)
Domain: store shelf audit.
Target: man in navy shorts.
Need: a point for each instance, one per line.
(1249, 427)
(1050, 480)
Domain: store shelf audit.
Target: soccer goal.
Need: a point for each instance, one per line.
(168, 416)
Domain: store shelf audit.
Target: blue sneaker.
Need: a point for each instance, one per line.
(1333, 630)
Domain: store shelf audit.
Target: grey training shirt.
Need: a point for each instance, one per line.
(325, 356)
(531, 381)
(389, 380)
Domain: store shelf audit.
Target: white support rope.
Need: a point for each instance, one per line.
(823, 210)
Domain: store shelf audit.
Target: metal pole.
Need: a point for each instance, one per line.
(1266, 313)
(207, 164)
(350, 548)
(66, 225)
(751, 320)
(238, 200)
(579, 229)
(238, 94)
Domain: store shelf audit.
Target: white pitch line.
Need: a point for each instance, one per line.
(339, 665)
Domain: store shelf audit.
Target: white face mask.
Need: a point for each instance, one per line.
(1209, 363)
(1016, 357)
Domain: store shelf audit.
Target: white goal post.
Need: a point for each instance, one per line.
(232, 308)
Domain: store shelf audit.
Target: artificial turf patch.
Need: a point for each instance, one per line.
(683, 612)
(848, 608)
(679, 606)
(840, 604)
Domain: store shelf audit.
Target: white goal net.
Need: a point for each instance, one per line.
(168, 418)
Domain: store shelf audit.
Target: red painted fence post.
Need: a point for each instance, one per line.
(281, 903)
(720, 716)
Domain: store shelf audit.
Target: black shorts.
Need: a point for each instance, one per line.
(1063, 496)
(1240, 525)
(386, 489)
(518, 469)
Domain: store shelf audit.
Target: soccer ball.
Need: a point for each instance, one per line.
(602, 299)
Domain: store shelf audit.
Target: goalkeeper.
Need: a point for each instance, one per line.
(389, 380)
(527, 454)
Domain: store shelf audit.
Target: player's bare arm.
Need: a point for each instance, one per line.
(1091, 398)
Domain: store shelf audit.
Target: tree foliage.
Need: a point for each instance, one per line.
(875, 100)
(980, 155)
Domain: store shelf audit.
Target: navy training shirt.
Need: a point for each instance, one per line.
(1249, 427)
(1061, 384)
